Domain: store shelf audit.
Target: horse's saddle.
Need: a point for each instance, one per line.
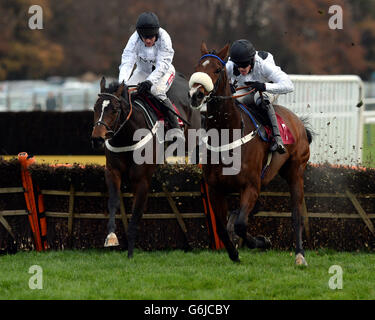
(154, 109)
(263, 125)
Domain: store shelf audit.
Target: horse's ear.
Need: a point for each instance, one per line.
(204, 49)
(102, 84)
(120, 89)
(223, 53)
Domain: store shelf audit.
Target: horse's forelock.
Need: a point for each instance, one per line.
(113, 87)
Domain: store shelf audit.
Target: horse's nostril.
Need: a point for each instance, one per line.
(97, 142)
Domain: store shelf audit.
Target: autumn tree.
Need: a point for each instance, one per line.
(25, 53)
(82, 36)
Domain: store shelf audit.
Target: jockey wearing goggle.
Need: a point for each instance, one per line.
(150, 48)
(258, 70)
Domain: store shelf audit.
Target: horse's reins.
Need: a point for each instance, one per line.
(211, 96)
(121, 99)
(241, 141)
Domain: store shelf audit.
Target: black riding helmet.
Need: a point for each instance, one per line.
(242, 53)
(148, 25)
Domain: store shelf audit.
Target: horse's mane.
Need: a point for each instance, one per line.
(113, 87)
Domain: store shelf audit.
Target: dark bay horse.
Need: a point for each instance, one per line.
(116, 119)
(210, 84)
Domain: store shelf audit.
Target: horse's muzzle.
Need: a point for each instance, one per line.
(196, 99)
(97, 143)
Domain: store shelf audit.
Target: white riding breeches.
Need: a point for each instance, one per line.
(159, 89)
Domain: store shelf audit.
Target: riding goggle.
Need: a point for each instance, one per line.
(148, 36)
(243, 64)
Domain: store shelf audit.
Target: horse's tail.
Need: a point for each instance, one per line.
(309, 135)
(309, 131)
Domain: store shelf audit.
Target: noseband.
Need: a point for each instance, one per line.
(120, 100)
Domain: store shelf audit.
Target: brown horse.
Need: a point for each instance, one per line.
(117, 117)
(210, 84)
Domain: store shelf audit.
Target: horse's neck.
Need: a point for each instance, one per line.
(126, 133)
(223, 113)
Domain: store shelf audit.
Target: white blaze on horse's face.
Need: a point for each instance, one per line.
(104, 105)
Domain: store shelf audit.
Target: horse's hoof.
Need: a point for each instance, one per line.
(111, 240)
(234, 256)
(266, 242)
(300, 260)
(238, 260)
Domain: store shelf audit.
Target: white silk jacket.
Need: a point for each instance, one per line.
(266, 71)
(158, 57)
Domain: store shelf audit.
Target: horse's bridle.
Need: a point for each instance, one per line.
(211, 96)
(113, 131)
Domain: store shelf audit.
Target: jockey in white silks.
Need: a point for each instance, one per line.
(150, 49)
(258, 70)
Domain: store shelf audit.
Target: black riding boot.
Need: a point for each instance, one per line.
(172, 119)
(278, 144)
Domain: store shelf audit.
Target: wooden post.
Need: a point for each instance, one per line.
(71, 215)
(7, 226)
(360, 210)
(175, 211)
(305, 216)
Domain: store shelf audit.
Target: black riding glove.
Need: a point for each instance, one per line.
(144, 87)
(258, 86)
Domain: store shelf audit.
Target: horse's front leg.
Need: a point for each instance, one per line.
(249, 196)
(220, 208)
(140, 199)
(113, 180)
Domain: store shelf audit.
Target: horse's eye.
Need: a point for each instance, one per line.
(218, 70)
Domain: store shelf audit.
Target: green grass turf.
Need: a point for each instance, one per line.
(368, 152)
(201, 274)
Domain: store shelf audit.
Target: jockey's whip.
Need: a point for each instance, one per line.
(182, 119)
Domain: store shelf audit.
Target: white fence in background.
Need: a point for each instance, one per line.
(32, 95)
(66, 100)
(331, 104)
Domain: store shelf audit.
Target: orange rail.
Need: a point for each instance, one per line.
(216, 243)
(35, 205)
